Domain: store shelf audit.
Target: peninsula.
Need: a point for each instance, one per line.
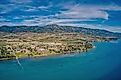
(36, 41)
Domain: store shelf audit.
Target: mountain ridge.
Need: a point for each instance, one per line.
(54, 28)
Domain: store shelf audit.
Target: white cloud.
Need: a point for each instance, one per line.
(86, 11)
(72, 13)
(45, 21)
(56, 21)
(33, 8)
(20, 1)
(95, 26)
(83, 13)
(6, 8)
(73, 10)
(21, 5)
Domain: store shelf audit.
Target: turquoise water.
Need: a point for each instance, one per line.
(101, 63)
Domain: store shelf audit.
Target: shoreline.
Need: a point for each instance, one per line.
(47, 44)
(46, 55)
(52, 54)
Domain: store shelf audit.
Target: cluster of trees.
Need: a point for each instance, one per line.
(6, 52)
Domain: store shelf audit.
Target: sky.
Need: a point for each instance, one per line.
(96, 14)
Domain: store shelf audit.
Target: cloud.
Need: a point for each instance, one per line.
(86, 11)
(21, 5)
(66, 13)
(95, 26)
(49, 21)
(83, 13)
(21, 1)
(32, 8)
(72, 10)
(6, 8)
(56, 21)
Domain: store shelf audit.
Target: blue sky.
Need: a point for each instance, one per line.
(101, 14)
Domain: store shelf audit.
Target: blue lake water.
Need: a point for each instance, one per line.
(101, 63)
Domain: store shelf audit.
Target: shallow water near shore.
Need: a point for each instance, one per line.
(100, 63)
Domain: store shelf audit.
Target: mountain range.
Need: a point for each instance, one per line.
(54, 28)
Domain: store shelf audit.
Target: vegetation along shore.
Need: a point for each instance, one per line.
(49, 40)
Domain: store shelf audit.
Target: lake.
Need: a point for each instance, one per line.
(100, 63)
